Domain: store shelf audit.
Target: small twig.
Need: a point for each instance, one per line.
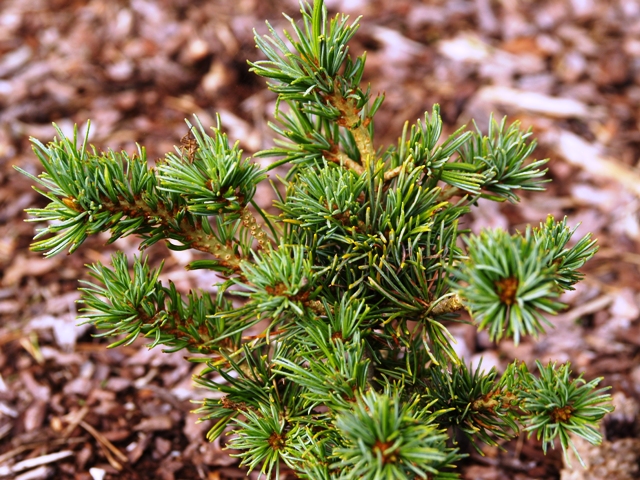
(43, 471)
(8, 337)
(448, 305)
(107, 446)
(15, 452)
(393, 173)
(587, 308)
(48, 443)
(74, 420)
(250, 223)
(30, 345)
(351, 119)
(194, 235)
(344, 159)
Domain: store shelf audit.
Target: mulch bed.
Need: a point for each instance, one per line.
(71, 409)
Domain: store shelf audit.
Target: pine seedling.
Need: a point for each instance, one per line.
(335, 358)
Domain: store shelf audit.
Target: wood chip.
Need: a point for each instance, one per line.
(97, 473)
(589, 157)
(39, 473)
(137, 448)
(31, 266)
(34, 462)
(536, 103)
(586, 308)
(34, 415)
(154, 424)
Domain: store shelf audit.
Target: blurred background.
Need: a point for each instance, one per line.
(69, 408)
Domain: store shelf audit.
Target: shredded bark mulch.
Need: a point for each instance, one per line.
(72, 409)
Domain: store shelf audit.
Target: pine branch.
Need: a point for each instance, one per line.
(138, 304)
(351, 119)
(557, 406)
(509, 282)
(90, 192)
(501, 157)
(386, 437)
(343, 159)
(553, 237)
(479, 404)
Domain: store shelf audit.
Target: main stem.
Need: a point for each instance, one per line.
(195, 236)
(350, 118)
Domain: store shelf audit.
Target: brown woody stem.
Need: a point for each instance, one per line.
(393, 173)
(343, 159)
(194, 235)
(249, 222)
(350, 118)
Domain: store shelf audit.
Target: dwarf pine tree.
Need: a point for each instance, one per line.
(335, 358)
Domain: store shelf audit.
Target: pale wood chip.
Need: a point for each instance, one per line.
(154, 424)
(535, 102)
(586, 308)
(39, 473)
(589, 157)
(34, 462)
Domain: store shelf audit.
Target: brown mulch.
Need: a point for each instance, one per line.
(70, 408)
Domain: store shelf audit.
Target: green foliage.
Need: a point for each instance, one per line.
(509, 283)
(263, 439)
(216, 180)
(482, 407)
(387, 437)
(553, 237)
(128, 305)
(278, 283)
(500, 156)
(556, 406)
(327, 339)
(320, 63)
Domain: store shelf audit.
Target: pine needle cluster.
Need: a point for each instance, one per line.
(326, 339)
